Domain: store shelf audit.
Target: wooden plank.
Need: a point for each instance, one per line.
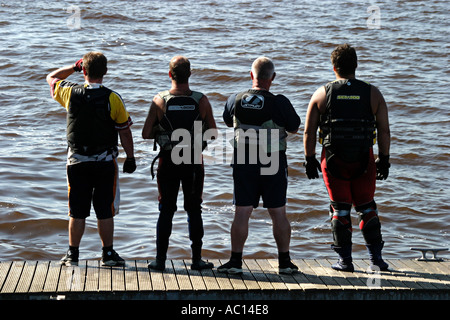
(272, 274)
(443, 270)
(210, 279)
(356, 279)
(27, 276)
(131, 276)
(338, 276)
(157, 280)
(360, 278)
(51, 282)
(289, 280)
(196, 278)
(428, 272)
(437, 269)
(92, 276)
(104, 280)
(398, 269)
(249, 279)
(321, 272)
(169, 277)
(79, 277)
(258, 274)
(182, 275)
(235, 279)
(310, 275)
(65, 278)
(380, 279)
(13, 277)
(4, 270)
(37, 285)
(371, 281)
(22, 277)
(221, 278)
(413, 272)
(143, 276)
(118, 278)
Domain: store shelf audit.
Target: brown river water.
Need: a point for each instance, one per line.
(402, 48)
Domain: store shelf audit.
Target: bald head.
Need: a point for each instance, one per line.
(263, 69)
(180, 69)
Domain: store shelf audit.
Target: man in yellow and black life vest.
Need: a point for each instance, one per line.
(261, 121)
(96, 116)
(173, 115)
(349, 114)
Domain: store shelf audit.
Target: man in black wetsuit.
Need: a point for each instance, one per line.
(179, 110)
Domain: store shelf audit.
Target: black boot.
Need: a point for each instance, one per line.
(377, 262)
(345, 258)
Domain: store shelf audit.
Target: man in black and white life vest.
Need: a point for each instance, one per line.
(261, 121)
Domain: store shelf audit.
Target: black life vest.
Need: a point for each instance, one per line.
(347, 129)
(90, 129)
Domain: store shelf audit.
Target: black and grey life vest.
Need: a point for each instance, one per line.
(347, 127)
(90, 129)
(180, 112)
(253, 109)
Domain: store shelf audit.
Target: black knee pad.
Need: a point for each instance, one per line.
(369, 223)
(341, 223)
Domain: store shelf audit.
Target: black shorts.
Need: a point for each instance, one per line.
(96, 183)
(250, 185)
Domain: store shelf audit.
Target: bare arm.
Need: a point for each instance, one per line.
(380, 111)
(206, 114)
(61, 73)
(316, 106)
(152, 118)
(126, 139)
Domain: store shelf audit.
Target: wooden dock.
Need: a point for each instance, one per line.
(47, 280)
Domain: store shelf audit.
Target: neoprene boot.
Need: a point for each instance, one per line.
(345, 258)
(377, 262)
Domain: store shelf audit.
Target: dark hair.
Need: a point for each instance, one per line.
(180, 68)
(95, 64)
(344, 59)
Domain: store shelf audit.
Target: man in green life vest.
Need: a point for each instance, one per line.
(261, 121)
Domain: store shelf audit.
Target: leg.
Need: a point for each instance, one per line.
(80, 195)
(106, 231)
(168, 186)
(363, 191)
(239, 227)
(192, 184)
(341, 226)
(106, 198)
(339, 191)
(282, 235)
(76, 231)
(281, 228)
(239, 233)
